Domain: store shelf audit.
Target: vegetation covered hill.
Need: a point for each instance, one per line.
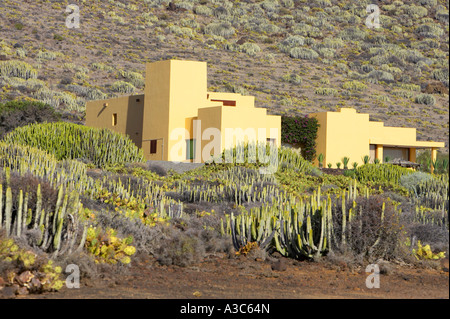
(295, 56)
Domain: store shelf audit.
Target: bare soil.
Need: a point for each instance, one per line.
(221, 277)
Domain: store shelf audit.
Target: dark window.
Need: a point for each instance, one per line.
(138, 100)
(114, 119)
(153, 144)
(226, 103)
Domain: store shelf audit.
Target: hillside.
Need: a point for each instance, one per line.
(295, 56)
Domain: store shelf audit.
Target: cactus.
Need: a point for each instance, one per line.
(102, 147)
(19, 215)
(55, 234)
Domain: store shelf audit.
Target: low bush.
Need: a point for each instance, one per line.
(301, 131)
(303, 53)
(410, 181)
(223, 29)
(13, 68)
(20, 113)
(426, 99)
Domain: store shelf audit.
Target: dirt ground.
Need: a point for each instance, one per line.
(220, 277)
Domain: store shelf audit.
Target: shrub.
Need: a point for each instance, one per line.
(332, 43)
(410, 181)
(248, 48)
(290, 42)
(90, 93)
(352, 33)
(413, 11)
(429, 30)
(137, 79)
(375, 76)
(123, 87)
(326, 52)
(101, 147)
(326, 91)
(18, 69)
(441, 75)
(303, 53)
(183, 31)
(48, 55)
(20, 113)
(354, 86)
(223, 29)
(292, 78)
(426, 99)
(301, 131)
(403, 93)
(203, 10)
(62, 100)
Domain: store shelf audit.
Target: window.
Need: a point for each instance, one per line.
(396, 153)
(226, 103)
(153, 144)
(190, 149)
(138, 100)
(114, 119)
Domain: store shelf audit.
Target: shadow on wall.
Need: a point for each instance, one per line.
(135, 119)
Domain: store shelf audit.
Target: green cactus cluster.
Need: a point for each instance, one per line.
(380, 173)
(301, 228)
(101, 147)
(257, 226)
(30, 160)
(61, 222)
(432, 193)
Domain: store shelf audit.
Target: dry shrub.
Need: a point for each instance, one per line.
(367, 235)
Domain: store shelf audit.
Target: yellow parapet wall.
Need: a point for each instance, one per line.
(350, 134)
(179, 120)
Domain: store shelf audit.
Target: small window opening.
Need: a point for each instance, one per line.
(153, 144)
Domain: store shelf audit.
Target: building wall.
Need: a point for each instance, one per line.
(178, 108)
(129, 113)
(188, 93)
(211, 123)
(156, 111)
(391, 135)
(342, 134)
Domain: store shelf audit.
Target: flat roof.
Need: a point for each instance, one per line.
(416, 144)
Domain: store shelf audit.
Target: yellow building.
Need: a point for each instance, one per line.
(178, 120)
(350, 134)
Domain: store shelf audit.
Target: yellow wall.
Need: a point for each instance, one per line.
(129, 110)
(342, 134)
(156, 110)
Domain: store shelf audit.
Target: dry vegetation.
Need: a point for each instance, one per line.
(400, 71)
